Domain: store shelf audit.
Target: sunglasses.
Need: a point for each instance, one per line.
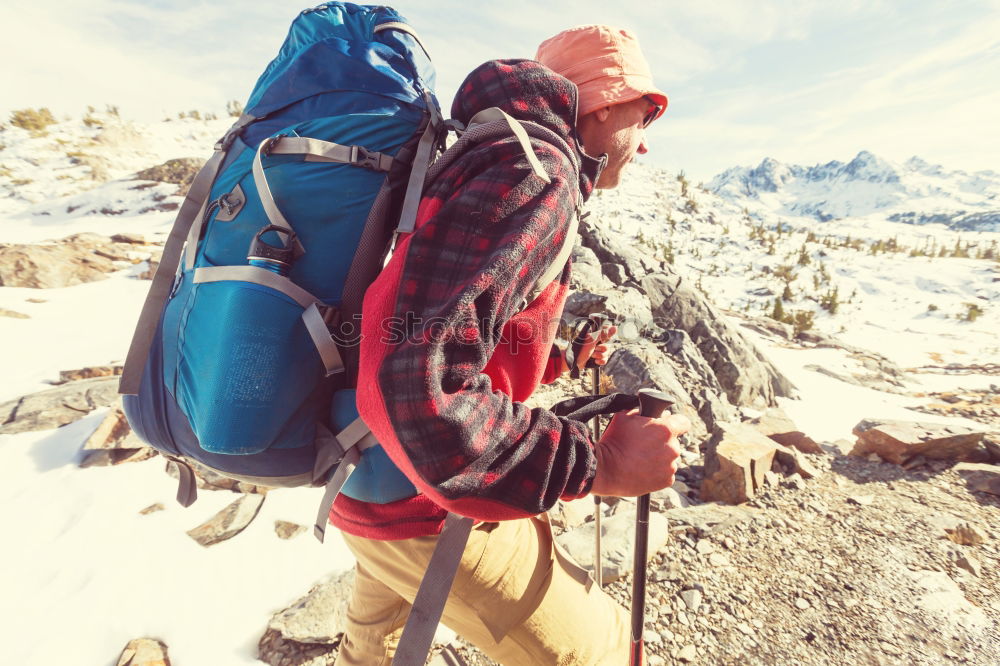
(653, 113)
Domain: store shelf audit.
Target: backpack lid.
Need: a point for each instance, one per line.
(322, 53)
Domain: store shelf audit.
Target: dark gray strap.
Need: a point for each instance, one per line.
(428, 606)
(316, 150)
(256, 275)
(321, 337)
(187, 483)
(347, 465)
(418, 172)
(163, 280)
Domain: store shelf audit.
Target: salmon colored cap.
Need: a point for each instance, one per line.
(605, 63)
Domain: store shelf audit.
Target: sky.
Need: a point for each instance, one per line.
(801, 81)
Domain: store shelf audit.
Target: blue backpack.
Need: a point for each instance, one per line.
(235, 363)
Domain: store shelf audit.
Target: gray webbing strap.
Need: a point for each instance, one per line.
(496, 114)
(321, 337)
(193, 235)
(558, 264)
(333, 486)
(351, 441)
(264, 192)
(256, 275)
(428, 606)
(317, 150)
(418, 172)
(356, 434)
(163, 280)
(402, 27)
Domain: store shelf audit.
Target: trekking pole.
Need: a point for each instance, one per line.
(594, 323)
(652, 404)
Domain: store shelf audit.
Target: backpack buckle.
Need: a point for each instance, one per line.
(362, 157)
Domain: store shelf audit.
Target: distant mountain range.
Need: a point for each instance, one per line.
(913, 192)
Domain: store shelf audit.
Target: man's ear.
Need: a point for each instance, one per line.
(603, 113)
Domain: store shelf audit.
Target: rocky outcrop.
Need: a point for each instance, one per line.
(900, 441)
(320, 615)
(73, 260)
(58, 406)
(669, 336)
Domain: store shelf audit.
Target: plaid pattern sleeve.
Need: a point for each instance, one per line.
(487, 230)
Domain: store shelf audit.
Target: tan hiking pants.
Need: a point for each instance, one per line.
(514, 597)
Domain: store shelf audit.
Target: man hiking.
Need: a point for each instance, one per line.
(444, 396)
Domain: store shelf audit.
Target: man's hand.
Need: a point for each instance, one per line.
(594, 347)
(637, 454)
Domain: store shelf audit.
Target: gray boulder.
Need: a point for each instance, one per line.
(56, 407)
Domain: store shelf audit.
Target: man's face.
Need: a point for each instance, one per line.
(618, 132)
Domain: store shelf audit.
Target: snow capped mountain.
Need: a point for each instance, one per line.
(913, 192)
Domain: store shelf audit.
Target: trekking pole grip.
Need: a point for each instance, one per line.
(652, 404)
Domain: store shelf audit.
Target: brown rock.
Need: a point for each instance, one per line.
(72, 260)
(778, 426)
(113, 443)
(144, 652)
(794, 460)
(899, 441)
(152, 508)
(980, 477)
(287, 530)
(88, 373)
(992, 444)
(177, 171)
(135, 239)
(229, 522)
(736, 462)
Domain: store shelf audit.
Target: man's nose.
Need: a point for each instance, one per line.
(643, 145)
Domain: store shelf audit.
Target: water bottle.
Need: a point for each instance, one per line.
(275, 259)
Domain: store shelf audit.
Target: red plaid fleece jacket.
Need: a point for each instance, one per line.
(445, 402)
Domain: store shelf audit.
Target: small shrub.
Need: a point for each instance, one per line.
(932, 308)
(35, 120)
(25, 181)
(972, 312)
(234, 108)
(802, 320)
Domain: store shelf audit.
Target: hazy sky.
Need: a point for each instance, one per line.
(802, 81)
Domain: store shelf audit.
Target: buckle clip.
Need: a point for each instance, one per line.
(362, 157)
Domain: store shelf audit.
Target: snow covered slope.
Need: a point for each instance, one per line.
(914, 192)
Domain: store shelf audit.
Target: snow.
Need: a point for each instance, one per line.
(867, 185)
(85, 572)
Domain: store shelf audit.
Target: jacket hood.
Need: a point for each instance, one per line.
(528, 90)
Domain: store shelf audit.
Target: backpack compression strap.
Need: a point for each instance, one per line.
(159, 291)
